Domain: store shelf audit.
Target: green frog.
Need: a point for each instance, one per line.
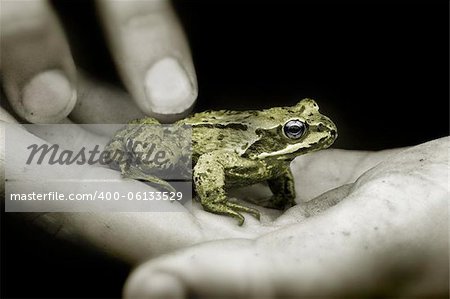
(239, 148)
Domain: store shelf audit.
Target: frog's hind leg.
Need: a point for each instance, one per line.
(209, 180)
(137, 174)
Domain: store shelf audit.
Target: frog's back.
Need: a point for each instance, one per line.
(220, 130)
(220, 117)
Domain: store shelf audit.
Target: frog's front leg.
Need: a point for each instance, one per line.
(283, 188)
(209, 180)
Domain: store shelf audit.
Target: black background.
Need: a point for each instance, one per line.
(378, 69)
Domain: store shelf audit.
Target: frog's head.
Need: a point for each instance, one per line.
(286, 132)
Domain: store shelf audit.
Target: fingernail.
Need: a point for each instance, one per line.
(48, 97)
(168, 87)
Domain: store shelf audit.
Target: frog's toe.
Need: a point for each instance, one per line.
(238, 216)
(238, 207)
(224, 209)
(254, 212)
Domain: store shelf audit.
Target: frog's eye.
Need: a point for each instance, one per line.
(294, 129)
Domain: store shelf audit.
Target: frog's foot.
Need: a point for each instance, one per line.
(231, 209)
(223, 209)
(137, 174)
(237, 207)
(290, 203)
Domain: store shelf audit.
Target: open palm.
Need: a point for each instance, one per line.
(341, 234)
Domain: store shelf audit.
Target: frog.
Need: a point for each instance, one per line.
(232, 149)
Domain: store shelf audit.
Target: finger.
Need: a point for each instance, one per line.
(152, 55)
(129, 236)
(99, 103)
(220, 269)
(68, 135)
(37, 67)
(5, 118)
(392, 241)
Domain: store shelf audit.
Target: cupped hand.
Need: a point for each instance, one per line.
(361, 218)
(365, 223)
(135, 237)
(146, 41)
(384, 235)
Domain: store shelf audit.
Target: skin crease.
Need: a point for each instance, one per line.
(235, 148)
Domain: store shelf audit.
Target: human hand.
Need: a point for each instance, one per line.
(151, 234)
(137, 236)
(388, 236)
(39, 75)
(346, 228)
